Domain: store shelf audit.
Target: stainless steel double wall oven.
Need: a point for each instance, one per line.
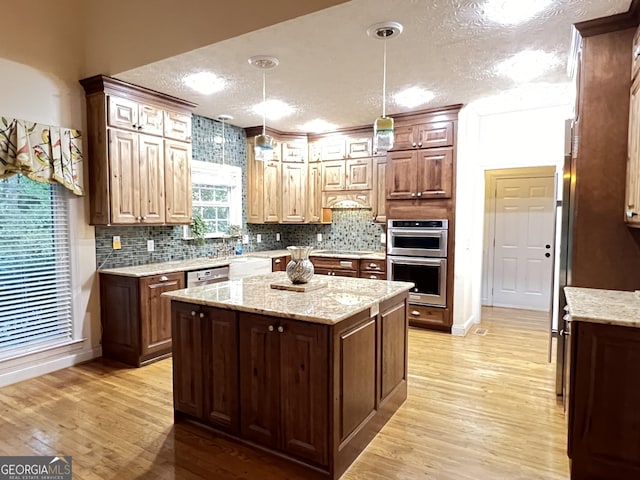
(417, 252)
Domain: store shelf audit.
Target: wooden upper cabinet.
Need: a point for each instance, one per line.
(177, 126)
(131, 175)
(632, 204)
(272, 194)
(334, 148)
(359, 147)
(315, 151)
(341, 147)
(423, 135)
(177, 182)
(333, 175)
(420, 174)
(314, 193)
(294, 192)
(359, 174)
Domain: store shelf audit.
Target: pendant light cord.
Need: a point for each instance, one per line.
(264, 100)
(223, 142)
(384, 79)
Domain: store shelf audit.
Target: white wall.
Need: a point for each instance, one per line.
(524, 138)
(30, 94)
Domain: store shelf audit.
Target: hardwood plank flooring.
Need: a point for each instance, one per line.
(479, 407)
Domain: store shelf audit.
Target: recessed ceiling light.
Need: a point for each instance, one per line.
(318, 125)
(527, 65)
(413, 96)
(511, 12)
(273, 109)
(204, 82)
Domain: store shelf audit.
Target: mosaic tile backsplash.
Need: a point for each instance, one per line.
(352, 229)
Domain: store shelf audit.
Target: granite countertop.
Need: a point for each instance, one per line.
(202, 263)
(341, 298)
(612, 307)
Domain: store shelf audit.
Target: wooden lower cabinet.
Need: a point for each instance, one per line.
(425, 316)
(279, 264)
(334, 266)
(136, 320)
(315, 393)
(604, 419)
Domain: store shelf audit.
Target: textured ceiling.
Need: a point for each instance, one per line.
(330, 69)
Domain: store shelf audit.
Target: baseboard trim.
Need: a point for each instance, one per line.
(461, 330)
(37, 368)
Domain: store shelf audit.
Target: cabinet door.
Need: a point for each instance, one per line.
(401, 175)
(177, 126)
(177, 161)
(304, 384)
(188, 376)
(220, 340)
(393, 349)
(379, 190)
(255, 187)
(333, 148)
(437, 134)
(359, 147)
(404, 137)
(155, 312)
(314, 193)
(294, 152)
(271, 193)
(435, 173)
(359, 174)
(125, 174)
(294, 192)
(333, 175)
(632, 207)
(315, 151)
(122, 113)
(152, 204)
(259, 379)
(280, 264)
(150, 119)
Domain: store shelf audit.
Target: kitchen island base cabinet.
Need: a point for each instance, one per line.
(312, 392)
(604, 418)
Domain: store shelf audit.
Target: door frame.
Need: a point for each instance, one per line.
(488, 251)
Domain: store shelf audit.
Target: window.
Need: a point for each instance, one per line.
(217, 196)
(35, 269)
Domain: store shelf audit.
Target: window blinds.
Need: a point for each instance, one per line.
(35, 278)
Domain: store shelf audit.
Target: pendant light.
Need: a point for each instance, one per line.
(223, 118)
(263, 143)
(383, 126)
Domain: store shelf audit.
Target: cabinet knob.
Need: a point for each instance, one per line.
(547, 254)
(164, 278)
(413, 194)
(280, 329)
(414, 144)
(277, 260)
(419, 194)
(138, 218)
(636, 52)
(373, 277)
(631, 213)
(374, 266)
(193, 313)
(201, 315)
(415, 313)
(270, 328)
(419, 144)
(140, 127)
(144, 217)
(135, 125)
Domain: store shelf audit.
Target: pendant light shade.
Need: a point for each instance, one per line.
(383, 126)
(263, 143)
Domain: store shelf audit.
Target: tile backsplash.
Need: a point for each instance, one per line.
(352, 229)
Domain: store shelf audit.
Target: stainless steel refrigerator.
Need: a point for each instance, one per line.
(566, 209)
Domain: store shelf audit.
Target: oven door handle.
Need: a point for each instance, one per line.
(435, 261)
(417, 233)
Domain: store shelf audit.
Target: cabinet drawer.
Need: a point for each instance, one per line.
(150, 119)
(373, 275)
(420, 315)
(437, 134)
(122, 113)
(335, 263)
(279, 264)
(165, 278)
(336, 273)
(373, 266)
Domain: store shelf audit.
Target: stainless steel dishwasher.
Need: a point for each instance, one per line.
(210, 275)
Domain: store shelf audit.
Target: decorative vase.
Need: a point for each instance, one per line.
(300, 268)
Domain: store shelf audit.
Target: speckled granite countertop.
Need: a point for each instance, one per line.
(613, 307)
(201, 263)
(342, 297)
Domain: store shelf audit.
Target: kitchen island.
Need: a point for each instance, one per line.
(312, 376)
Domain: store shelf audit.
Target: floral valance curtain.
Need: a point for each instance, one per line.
(42, 153)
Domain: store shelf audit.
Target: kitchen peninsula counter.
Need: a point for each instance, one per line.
(312, 376)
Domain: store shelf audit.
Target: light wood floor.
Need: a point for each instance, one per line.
(479, 407)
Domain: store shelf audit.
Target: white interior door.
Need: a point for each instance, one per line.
(523, 242)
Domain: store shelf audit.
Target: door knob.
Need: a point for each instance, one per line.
(547, 254)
